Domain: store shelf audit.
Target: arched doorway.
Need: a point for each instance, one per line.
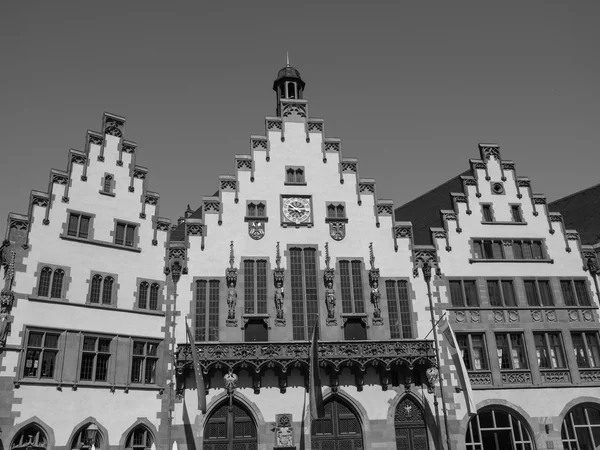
(409, 422)
(339, 430)
(230, 429)
(497, 429)
(581, 428)
(31, 437)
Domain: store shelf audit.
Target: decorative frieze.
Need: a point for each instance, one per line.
(274, 124)
(59, 178)
(516, 377)
(244, 163)
(163, 225)
(128, 147)
(293, 109)
(315, 126)
(332, 146)
(589, 375)
(480, 378)
(140, 173)
(385, 209)
(114, 126)
(212, 206)
(508, 165)
(151, 199)
(556, 376)
(258, 143)
(366, 187)
(489, 151)
(402, 232)
(349, 166)
(523, 182)
(228, 185)
(39, 200)
(193, 229)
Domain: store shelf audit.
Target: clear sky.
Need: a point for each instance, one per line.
(409, 87)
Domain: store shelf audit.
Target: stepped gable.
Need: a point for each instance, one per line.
(424, 211)
(581, 211)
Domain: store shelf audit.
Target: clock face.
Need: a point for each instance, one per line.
(296, 209)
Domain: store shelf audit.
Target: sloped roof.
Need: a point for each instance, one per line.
(178, 234)
(424, 211)
(581, 212)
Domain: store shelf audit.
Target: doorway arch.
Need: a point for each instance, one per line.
(230, 428)
(340, 429)
(410, 426)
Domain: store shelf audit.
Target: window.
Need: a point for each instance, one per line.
(256, 331)
(256, 209)
(143, 362)
(305, 297)
(207, 310)
(487, 213)
(501, 293)
(352, 287)
(81, 442)
(538, 293)
(140, 438)
(463, 293)
(511, 351)
(255, 286)
(494, 429)
(40, 356)
(294, 175)
(336, 211)
(125, 234)
(95, 356)
(549, 351)
(587, 349)
(524, 249)
(51, 282)
(79, 225)
(101, 289)
(474, 354)
(399, 309)
(107, 184)
(515, 212)
(31, 437)
(488, 249)
(575, 292)
(148, 296)
(581, 428)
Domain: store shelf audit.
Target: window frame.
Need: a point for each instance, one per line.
(464, 292)
(298, 175)
(485, 209)
(500, 286)
(587, 353)
(143, 304)
(256, 289)
(483, 247)
(538, 292)
(126, 226)
(110, 179)
(573, 288)
(148, 437)
(96, 353)
(548, 348)
(516, 207)
(336, 217)
(469, 364)
(52, 281)
(353, 289)
(300, 306)
(145, 357)
(210, 330)
(43, 348)
(256, 204)
(101, 293)
(88, 234)
(395, 306)
(522, 360)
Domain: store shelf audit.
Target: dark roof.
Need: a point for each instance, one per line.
(178, 234)
(581, 212)
(424, 211)
(288, 72)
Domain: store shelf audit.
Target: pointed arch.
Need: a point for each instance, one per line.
(140, 422)
(423, 403)
(81, 426)
(33, 421)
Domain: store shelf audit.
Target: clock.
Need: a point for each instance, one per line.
(296, 210)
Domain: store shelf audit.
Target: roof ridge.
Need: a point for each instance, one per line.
(575, 193)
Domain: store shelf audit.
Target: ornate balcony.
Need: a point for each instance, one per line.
(257, 357)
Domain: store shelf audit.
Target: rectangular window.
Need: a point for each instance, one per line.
(488, 249)
(79, 225)
(144, 360)
(255, 286)
(526, 249)
(255, 209)
(207, 310)
(549, 351)
(305, 302)
(515, 212)
(294, 175)
(487, 213)
(575, 292)
(95, 356)
(125, 234)
(464, 293)
(336, 211)
(587, 349)
(538, 293)
(41, 354)
(501, 293)
(352, 287)
(473, 349)
(399, 309)
(511, 351)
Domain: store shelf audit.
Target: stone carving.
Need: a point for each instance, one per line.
(523, 183)
(573, 316)
(283, 431)
(228, 185)
(328, 278)
(315, 126)
(374, 283)
(337, 230)
(151, 200)
(349, 167)
(230, 379)
(385, 210)
(513, 316)
(516, 377)
(297, 109)
(96, 140)
(551, 316)
(278, 277)
(128, 148)
(256, 229)
(536, 316)
(498, 316)
(433, 376)
(6, 295)
(480, 379)
(587, 315)
(244, 164)
(459, 316)
(59, 178)
(332, 146)
(490, 151)
(402, 232)
(259, 143)
(556, 377)
(194, 229)
(366, 187)
(231, 277)
(589, 375)
(114, 127)
(274, 125)
(475, 316)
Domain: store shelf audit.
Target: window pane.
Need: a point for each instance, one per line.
(536, 249)
(346, 287)
(405, 317)
(120, 234)
(545, 293)
(35, 339)
(150, 374)
(249, 286)
(48, 361)
(104, 345)
(297, 294)
(136, 370)
(84, 225)
(260, 210)
(497, 250)
(138, 348)
(95, 289)
(494, 293)
(393, 319)
(556, 351)
(477, 250)
(487, 213)
(251, 210)
(261, 286)
(456, 294)
(517, 250)
(44, 285)
(57, 283)
(331, 211)
(519, 359)
(463, 345)
(579, 350)
(541, 351)
(73, 222)
(509, 293)
(151, 349)
(312, 299)
(32, 363)
(102, 367)
(516, 214)
(471, 293)
(593, 349)
(51, 341)
(107, 183)
(154, 297)
(488, 253)
(213, 310)
(502, 346)
(200, 334)
(130, 235)
(531, 293)
(143, 295)
(87, 366)
(359, 304)
(527, 252)
(567, 292)
(340, 211)
(582, 293)
(107, 291)
(479, 353)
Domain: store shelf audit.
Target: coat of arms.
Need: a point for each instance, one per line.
(256, 229)
(337, 230)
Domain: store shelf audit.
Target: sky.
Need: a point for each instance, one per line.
(411, 88)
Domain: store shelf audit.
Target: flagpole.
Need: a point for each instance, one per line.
(427, 275)
(436, 324)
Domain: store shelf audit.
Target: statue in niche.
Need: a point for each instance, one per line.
(279, 295)
(330, 302)
(5, 255)
(231, 300)
(376, 299)
(4, 323)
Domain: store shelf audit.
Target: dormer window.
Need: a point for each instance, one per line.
(294, 175)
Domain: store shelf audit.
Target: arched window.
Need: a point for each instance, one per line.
(331, 211)
(495, 429)
(143, 295)
(57, 283)
(291, 88)
(409, 422)
(340, 211)
(30, 437)
(108, 183)
(227, 428)
(86, 436)
(107, 290)
(581, 428)
(140, 438)
(340, 428)
(44, 286)
(154, 296)
(251, 210)
(260, 210)
(291, 175)
(95, 289)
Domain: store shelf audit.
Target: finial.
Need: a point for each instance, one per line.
(231, 258)
(327, 259)
(371, 255)
(287, 59)
(277, 256)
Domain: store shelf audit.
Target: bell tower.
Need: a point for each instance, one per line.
(288, 84)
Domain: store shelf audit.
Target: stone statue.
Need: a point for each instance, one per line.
(4, 323)
(5, 255)
(231, 300)
(330, 299)
(376, 299)
(279, 295)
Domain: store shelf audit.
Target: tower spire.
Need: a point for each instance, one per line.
(287, 59)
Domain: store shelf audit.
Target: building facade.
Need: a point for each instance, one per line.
(99, 290)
